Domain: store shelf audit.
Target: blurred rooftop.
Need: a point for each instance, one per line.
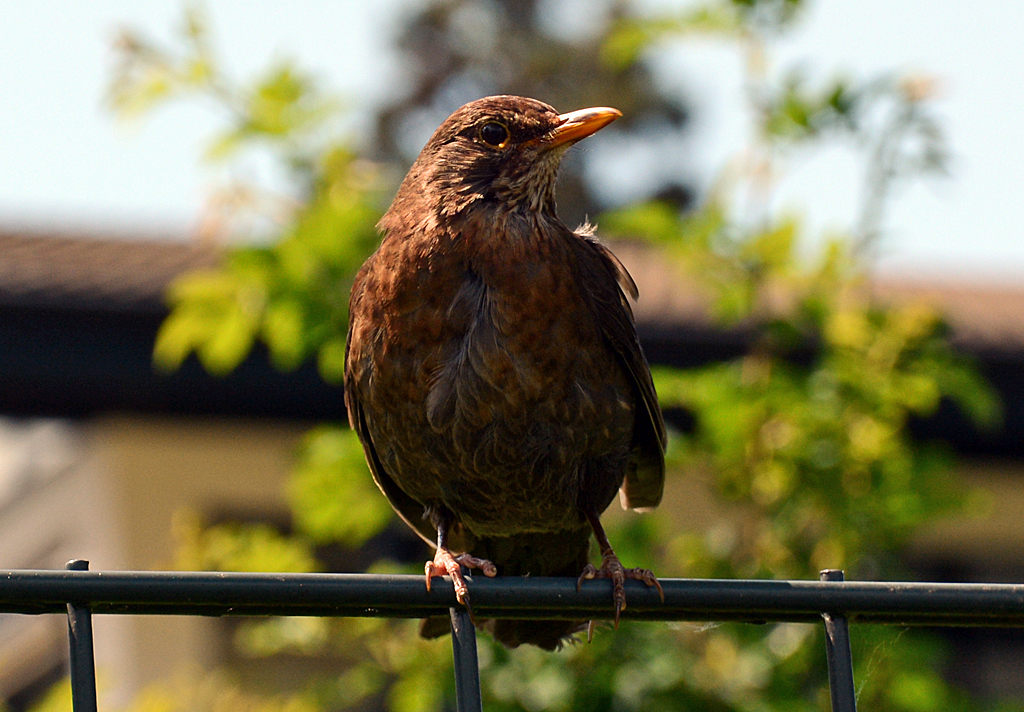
(79, 314)
(93, 272)
(90, 272)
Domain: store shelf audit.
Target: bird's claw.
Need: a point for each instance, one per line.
(612, 568)
(446, 563)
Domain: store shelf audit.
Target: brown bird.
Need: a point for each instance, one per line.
(493, 371)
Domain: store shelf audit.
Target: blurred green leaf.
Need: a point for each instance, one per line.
(238, 547)
(772, 250)
(629, 38)
(284, 331)
(176, 338)
(56, 699)
(919, 692)
(285, 634)
(229, 344)
(415, 693)
(331, 362)
(331, 492)
(656, 222)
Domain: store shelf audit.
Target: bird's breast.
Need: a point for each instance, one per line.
(521, 394)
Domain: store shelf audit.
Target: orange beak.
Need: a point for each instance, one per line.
(578, 125)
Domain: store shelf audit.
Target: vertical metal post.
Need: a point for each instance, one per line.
(837, 652)
(83, 664)
(467, 664)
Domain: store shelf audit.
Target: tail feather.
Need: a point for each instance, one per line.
(549, 635)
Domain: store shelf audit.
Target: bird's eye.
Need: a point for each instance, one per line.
(494, 134)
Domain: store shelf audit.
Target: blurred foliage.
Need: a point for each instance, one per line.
(323, 487)
(455, 51)
(293, 294)
(801, 445)
(821, 449)
(192, 691)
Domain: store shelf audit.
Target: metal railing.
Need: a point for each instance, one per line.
(79, 593)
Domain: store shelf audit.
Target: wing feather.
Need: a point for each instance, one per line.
(645, 479)
(405, 506)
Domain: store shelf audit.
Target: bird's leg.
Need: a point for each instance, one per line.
(612, 568)
(447, 563)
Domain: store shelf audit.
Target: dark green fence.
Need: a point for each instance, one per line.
(79, 593)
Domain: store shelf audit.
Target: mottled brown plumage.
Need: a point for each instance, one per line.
(493, 371)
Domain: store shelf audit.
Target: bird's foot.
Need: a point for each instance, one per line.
(447, 563)
(611, 568)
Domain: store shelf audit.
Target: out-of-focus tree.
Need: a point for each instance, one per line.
(803, 442)
(460, 50)
(293, 294)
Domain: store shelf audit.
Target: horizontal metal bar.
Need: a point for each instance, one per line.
(248, 594)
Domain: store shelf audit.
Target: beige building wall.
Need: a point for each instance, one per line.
(108, 490)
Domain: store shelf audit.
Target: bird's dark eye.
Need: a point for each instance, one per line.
(494, 134)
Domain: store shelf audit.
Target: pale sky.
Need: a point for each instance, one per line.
(66, 162)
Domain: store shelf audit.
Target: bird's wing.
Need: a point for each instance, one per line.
(405, 506)
(643, 485)
(408, 509)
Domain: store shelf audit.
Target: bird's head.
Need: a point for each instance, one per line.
(503, 150)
